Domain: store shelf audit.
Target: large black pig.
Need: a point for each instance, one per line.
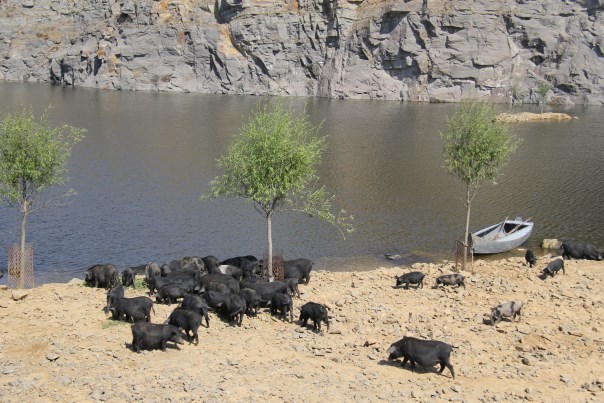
(132, 309)
(552, 268)
(414, 277)
(282, 303)
(113, 295)
(579, 250)
(187, 320)
(102, 276)
(298, 269)
(424, 352)
(150, 336)
(234, 307)
(315, 312)
(196, 303)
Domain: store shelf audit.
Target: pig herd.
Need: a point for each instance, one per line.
(234, 288)
(431, 352)
(231, 288)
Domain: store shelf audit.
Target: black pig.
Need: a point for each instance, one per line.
(151, 336)
(315, 312)
(579, 250)
(283, 303)
(187, 320)
(234, 306)
(134, 309)
(252, 300)
(424, 352)
(530, 258)
(169, 293)
(415, 277)
(102, 276)
(196, 303)
(113, 295)
(552, 268)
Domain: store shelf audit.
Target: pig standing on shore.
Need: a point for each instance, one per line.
(113, 295)
(151, 336)
(282, 303)
(102, 276)
(315, 312)
(552, 268)
(187, 320)
(451, 279)
(509, 309)
(424, 352)
(579, 250)
(530, 258)
(414, 277)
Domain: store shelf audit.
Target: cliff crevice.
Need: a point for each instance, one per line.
(415, 50)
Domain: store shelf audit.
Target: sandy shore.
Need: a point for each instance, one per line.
(57, 344)
(532, 117)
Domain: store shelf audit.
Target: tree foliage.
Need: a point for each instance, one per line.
(476, 147)
(543, 88)
(272, 163)
(33, 158)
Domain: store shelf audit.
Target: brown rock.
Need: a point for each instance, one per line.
(18, 295)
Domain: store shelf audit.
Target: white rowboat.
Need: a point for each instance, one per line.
(501, 237)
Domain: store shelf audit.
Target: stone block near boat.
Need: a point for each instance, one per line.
(551, 244)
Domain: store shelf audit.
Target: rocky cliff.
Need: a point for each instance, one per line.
(416, 50)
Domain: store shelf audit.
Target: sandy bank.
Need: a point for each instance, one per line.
(532, 117)
(57, 345)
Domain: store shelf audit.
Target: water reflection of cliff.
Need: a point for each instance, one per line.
(148, 157)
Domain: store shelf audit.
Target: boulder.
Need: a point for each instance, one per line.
(551, 244)
(18, 295)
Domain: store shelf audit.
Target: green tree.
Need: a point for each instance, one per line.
(272, 163)
(33, 158)
(543, 88)
(475, 147)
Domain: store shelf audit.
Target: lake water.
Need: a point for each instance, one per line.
(147, 157)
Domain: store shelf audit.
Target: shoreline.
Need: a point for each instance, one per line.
(58, 345)
(347, 264)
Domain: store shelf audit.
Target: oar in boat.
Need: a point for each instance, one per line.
(519, 225)
(500, 227)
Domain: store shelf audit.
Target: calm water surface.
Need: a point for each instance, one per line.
(147, 158)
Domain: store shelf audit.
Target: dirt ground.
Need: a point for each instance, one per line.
(57, 345)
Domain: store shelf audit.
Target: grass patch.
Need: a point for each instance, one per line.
(111, 323)
(140, 283)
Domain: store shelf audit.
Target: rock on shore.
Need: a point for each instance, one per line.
(57, 344)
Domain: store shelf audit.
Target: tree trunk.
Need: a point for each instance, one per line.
(22, 248)
(465, 238)
(269, 234)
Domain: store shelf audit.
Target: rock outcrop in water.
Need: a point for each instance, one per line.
(416, 50)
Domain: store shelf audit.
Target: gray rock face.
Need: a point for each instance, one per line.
(427, 51)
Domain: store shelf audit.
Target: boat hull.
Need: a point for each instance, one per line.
(495, 239)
